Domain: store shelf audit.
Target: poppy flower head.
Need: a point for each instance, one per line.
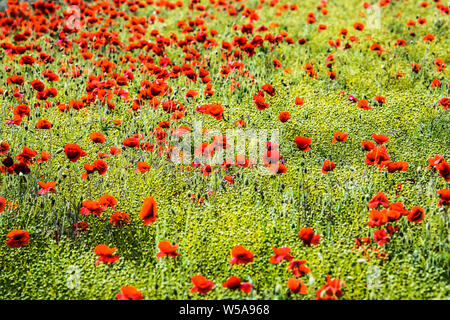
(284, 116)
(303, 143)
(167, 249)
(43, 124)
(148, 211)
(100, 166)
(332, 290)
(107, 200)
(444, 198)
(339, 136)
(105, 254)
(240, 255)
(119, 218)
(18, 238)
(234, 283)
(379, 199)
(328, 166)
(97, 137)
(91, 206)
(297, 286)
(201, 284)
(444, 170)
(4, 147)
(129, 293)
(298, 268)
(364, 104)
(416, 215)
(47, 187)
(281, 254)
(2, 204)
(380, 138)
(308, 237)
(74, 152)
(380, 237)
(277, 168)
(269, 89)
(377, 218)
(299, 101)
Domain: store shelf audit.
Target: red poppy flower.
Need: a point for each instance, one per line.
(298, 268)
(308, 237)
(400, 207)
(114, 150)
(107, 200)
(284, 116)
(234, 283)
(328, 166)
(148, 212)
(397, 166)
(27, 155)
(379, 199)
(119, 218)
(167, 249)
(417, 214)
(260, 102)
(358, 26)
(281, 254)
(377, 218)
(129, 293)
(428, 37)
(27, 60)
(332, 290)
(303, 143)
(100, 166)
(74, 152)
(299, 101)
(142, 167)
(339, 136)
(43, 124)
(240, 255)
(380, 99)
(4, 147)
(269, 89)
(46, 187)
(215, 110)
(91, 206)
(364, 104)
(444, 170)
(276, 63)
(229, 179)
(38, 85)
(380, 138)
(380, 237)
(22, 110)
(201, 284)
(15, 80)
(297, 286)
(445, 103)
(131, 142)
(17, 238)
(2, 204)
(377, 156)
(105, 254)
(97, 137)
(240, 123)
(444, 198)
(277, 168)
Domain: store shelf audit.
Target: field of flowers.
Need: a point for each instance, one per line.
(224, 149)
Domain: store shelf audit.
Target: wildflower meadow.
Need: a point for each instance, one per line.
(224, 149)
